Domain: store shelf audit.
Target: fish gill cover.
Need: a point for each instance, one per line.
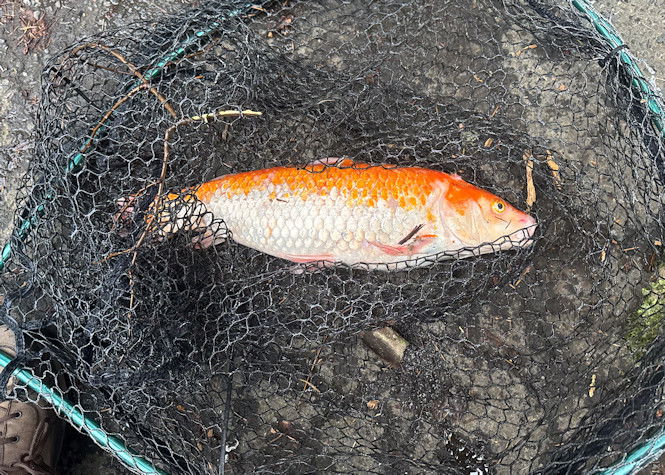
(543, 358)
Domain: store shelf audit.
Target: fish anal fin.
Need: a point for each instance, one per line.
(209, 238)
(399, 250)
(307, 258)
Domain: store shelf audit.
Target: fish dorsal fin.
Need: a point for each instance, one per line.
(339, 162)
(336, 161)
(330, 161)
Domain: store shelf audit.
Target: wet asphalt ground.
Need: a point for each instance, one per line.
(32, 31)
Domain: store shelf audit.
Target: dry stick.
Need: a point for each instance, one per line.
(134, 70)
(166, 65)
(108, 68)
(308, 382)
(144, 84)
(530, 188)
(108, 114)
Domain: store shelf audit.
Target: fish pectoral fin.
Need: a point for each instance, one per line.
(414, 247)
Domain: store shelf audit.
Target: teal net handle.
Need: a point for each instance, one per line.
(112, 444)
(639, 85)
(652, 448)
(82, 422)
(638, 458)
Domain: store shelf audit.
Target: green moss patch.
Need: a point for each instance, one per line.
(647, 322)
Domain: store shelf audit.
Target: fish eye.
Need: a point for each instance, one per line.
(499, 206)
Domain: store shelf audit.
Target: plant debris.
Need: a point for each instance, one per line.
(530, 187)
(34, 29)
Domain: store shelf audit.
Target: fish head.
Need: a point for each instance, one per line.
(476, 218)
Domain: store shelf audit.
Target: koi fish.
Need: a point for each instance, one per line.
(337, 211)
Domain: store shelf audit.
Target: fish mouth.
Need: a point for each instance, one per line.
(521, 238)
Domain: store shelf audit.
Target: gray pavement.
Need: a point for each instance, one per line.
(31, 31)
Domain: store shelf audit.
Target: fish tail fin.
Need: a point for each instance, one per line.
(162, 217)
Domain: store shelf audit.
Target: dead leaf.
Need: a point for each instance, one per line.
(554, 168)
(34, 31)
(592, 386)
(284, 426)
(489, 142)
(210, 433)
(530, 187)
(522, 50)
(521, 277)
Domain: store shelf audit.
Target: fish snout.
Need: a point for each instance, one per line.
(528, 226)
(527, 221)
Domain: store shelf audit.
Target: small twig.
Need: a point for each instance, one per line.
(554, 168)
(308, 381)
(113, 70)
(530, 188)
(522, 50)
(108, 114)
(521, 277)
(132, 298)
(134, 70)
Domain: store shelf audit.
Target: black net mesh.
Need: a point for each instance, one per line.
(541, 358)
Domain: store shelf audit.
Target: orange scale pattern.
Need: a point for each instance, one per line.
(324, 212)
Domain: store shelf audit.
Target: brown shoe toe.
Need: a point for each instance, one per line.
(30, 436)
